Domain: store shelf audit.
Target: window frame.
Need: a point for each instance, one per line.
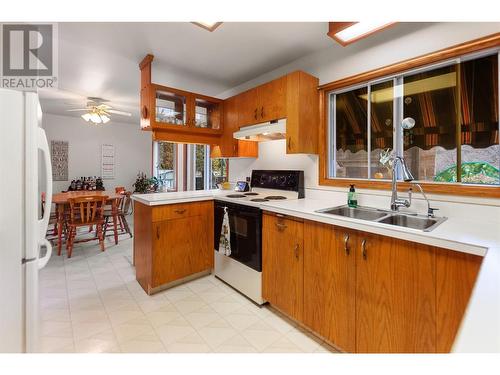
(459, 53)
(176, 163)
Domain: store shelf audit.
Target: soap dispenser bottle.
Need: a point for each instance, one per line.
(352, 198)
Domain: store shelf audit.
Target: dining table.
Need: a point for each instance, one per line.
(61, 201)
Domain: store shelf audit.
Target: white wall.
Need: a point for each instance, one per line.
(401, 42)
(329, 65)
(132, 149)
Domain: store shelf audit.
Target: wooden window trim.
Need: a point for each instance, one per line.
(476, 45)
(176, 187)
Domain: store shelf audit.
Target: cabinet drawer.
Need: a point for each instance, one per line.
(181, 210)
(282, 223)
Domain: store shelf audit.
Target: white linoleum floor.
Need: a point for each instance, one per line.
(92, 303)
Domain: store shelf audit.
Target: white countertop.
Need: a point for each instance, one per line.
(480, 329)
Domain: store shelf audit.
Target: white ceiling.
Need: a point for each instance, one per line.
(101, 59)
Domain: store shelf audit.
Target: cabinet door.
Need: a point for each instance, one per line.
(247, 108)
(181, 247)
(207, 113)
(329, 283)
(395, 296)
(272, 100)
(171, 107)
(302, 112)
(456, 275)
(282, 264)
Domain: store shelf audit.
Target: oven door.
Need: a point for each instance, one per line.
(245, 224)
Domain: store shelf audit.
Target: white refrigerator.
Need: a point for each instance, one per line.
(22, 231)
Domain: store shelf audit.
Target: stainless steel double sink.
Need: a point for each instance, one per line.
(406, 220)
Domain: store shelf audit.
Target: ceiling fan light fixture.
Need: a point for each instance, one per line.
(95, 118)
(86, 117)
(105, 119)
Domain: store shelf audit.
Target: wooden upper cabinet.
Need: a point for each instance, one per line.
(271, 100)
(177, 115)
(229, 146)
(330, 283)
(283, 264)
(170, 106)
(294, 97)
(247, 103)
(395, 296)
(207, 113)
(302, 103)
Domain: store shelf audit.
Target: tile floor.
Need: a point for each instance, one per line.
(92, 303)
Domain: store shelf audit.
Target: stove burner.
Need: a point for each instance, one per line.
(275, 197)
(259, 200)
(235, 196)
(251, 193)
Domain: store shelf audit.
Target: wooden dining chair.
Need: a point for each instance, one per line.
(51, 232)
(123, 207)
(85, 212)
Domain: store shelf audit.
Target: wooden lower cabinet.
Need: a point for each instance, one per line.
(172, 242)
(366, 293)
(395, 296)
(456, 275)
(283, 263)
(329, 283)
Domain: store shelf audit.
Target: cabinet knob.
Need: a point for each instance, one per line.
(296, 251)
(262, 112)
(157, 233)
(363, 249)
(255, 114)
(346, 245)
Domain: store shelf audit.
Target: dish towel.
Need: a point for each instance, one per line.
(225, 236)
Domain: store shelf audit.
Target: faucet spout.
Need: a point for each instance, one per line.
(407, 177)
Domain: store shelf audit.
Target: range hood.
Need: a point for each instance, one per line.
(267, 131)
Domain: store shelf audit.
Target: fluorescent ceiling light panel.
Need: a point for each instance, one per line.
(210, 26)
(349, 32)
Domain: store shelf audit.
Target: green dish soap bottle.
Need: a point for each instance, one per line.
(352, 197)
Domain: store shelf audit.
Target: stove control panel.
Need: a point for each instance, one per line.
(290, 180)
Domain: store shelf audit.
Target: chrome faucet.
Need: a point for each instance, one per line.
(430, 210)
(407, 123)
(397, 202)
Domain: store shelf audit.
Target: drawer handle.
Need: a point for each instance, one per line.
(281, 226)
(262, 112)
(255, 114)
(180, 211)
(157, 233)
(346, 245)
(296, 251)
(363, 249)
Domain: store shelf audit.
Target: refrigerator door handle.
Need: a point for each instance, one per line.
(43, 224)
(43, 145)
(42, 262)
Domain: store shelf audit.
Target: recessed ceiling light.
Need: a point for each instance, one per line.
(349, 32)
(210, 26)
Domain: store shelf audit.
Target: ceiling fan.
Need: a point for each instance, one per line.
(97, 112)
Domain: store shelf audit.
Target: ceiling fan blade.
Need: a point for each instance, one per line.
(77, 110)
(119, 112)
